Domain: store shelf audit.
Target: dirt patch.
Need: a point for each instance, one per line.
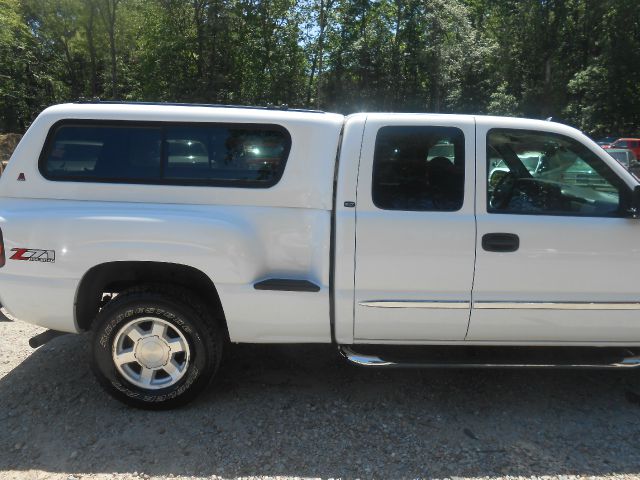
(8, 143)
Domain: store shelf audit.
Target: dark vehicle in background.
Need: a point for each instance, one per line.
(606, 141)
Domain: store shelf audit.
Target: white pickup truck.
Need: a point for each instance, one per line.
(169, 230)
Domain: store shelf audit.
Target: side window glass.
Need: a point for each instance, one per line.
(418, 168)
(544, 173)
(226, 154)
(237, 155)
(105, 153)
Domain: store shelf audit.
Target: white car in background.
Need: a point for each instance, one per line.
(624, 156)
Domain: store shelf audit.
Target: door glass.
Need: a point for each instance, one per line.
(545, 173)
(418, 168)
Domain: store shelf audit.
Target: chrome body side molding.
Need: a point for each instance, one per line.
(416, 304)
(499, 305)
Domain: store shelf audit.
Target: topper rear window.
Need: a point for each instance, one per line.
(235, 155)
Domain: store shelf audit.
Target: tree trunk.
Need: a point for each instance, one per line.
(92, 49)
(323, 24)
(198, 8)
(75, 90)
(112, 48)
(395, 63)
(108, 10)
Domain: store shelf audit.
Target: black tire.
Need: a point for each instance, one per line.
(185, 313)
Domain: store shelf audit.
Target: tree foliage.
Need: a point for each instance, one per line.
(574, 60)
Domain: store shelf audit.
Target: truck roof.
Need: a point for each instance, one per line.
(282, 110)
(196, 113)
(209, 105)
(175, 112)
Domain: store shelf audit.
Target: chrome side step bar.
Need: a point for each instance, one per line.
(626, 359)
(5, 316)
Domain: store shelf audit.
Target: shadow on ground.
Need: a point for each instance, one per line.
(301, 411)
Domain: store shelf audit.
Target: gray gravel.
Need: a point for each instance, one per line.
(300, 412)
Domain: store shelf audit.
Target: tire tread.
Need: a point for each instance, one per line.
(206, 319)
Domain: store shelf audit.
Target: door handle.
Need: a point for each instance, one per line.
(500, 242)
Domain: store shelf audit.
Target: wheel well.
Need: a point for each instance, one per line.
(115, 277)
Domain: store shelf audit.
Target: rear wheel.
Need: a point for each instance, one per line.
(155, 347)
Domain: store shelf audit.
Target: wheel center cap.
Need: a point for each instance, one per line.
(152, 352)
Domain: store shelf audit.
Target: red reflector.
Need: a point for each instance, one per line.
(2, 257)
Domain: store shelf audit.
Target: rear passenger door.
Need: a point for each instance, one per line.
(415, 228)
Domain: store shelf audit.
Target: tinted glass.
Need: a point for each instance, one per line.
(545, 173)
(226, 154)
(207, 154)
(419, 169)
(100, 152)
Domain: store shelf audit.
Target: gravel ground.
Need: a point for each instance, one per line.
(301, 412)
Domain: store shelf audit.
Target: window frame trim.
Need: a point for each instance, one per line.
(163, 125)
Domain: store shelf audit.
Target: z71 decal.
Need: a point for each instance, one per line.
(33, 255)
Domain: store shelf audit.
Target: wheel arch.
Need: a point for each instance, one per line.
(115, 277)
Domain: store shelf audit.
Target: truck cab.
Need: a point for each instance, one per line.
(529, 260)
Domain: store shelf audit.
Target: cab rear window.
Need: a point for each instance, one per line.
(239, 155)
